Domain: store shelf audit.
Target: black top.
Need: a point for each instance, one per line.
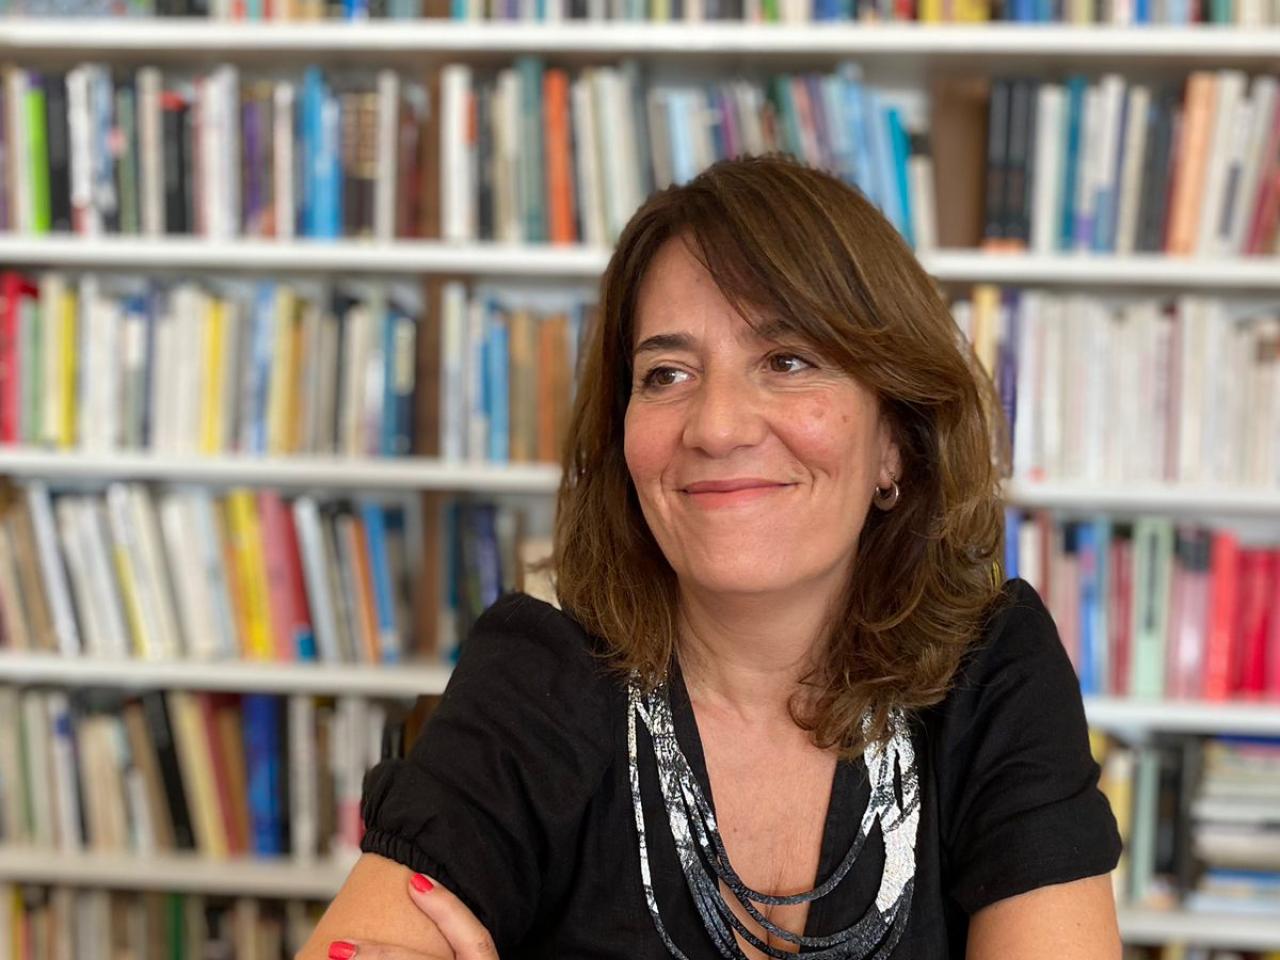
(517, 795)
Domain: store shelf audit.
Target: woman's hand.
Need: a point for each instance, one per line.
(466, 935)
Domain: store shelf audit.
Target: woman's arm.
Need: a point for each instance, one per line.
(374, 904)
(1064, 921)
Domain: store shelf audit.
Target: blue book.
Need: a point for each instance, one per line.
(1106, 208)
(1142, 11)
(855, 114)
(390, 367)
(330, 216)
(310, 111)
(882, 150)
(401, 359)
(680, 137)
(1012, 524)
(533, 181)
(497, 388)
(375, 531)
(793, 143)
(487, 555)
(901, 153)
(262, 342)
(1074, 114)
(458, 9)
(264, 757)
(451, 599)
(355, 9)
(1093, 542)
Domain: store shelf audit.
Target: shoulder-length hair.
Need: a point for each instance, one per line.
(802, 246)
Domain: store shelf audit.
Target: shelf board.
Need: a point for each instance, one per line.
(242, 876)
(391, 680)
(1166, 499)
(385, 474)
(602, 40)
(1188, 716)
(414, 257)
(1227, 931)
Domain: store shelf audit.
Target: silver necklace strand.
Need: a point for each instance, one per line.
(693, 828)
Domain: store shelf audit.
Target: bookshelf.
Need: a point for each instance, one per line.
(578, 262)
(906, 54)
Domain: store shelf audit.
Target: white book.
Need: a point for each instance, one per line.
(586, 148)
(304, 781)
(1111, 104)
(311, 549)
(206, 531)
(384, 208)
(13, 825)
(659, 139)
(553, 11)
(453, 348)
(51, 570)
(282, 138)
(234, 324)
(210, 182)
(1241, 349)
(311, 375)
(150, 152)
(96, 538)
(1217, 403)
(62, 767)
(12, 619)
(158, 565)
(477, 420)
(229, 141)
(1087, 170)
(625, 91)
(924, 225)
(1053, 375)
(160, 388)
(1260, 386)
(99, 426)
(1263, 100)
(71, 545)
(17, 137)
(457, 186)
(748, 97)
(355, 357)
(53, 291)
(1027, 387)
(85, 216)
(38, 751)
(1229, 91)
(194, 606)
(1135, 143)
(189, 371)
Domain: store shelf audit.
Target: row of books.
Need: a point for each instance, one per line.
(105, 363)
(1154, 609)
(531, 154)
(186, 573)
(1197, 817)
(1143, 390)
(222, 775)
(192, 573)
(145, 153)
(507, 374)
(54, 923)
(1114, 12)
(1120, 167)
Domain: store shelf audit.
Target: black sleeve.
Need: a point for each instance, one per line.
(491, 799)
(1019, 801)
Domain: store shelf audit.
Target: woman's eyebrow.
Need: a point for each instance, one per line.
(663, 341)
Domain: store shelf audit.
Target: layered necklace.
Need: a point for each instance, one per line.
(706, 865)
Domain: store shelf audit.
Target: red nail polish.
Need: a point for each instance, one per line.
(421, 883)
(341, 950)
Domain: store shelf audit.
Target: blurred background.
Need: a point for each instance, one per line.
(291, 299)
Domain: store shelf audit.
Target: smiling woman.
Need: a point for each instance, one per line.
(788, 704)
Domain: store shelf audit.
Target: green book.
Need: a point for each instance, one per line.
(1152, 570)
(38, 159)
(533, 182)
(1142, 838)
(786, 107)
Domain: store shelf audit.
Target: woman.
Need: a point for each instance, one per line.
(789, 706)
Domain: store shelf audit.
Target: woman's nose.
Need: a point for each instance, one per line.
(723, 415)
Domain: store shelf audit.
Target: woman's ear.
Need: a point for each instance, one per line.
(890, 455)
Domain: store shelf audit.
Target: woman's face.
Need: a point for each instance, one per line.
(753, 458)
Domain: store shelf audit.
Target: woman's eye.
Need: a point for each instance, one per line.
(662, 377)
(787, 362)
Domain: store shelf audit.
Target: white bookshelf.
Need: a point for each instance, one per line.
(1221, 930)
(320, 881)
(239, 876)
(407, 679)
(301, 471)
(1032, 44)
(1260, 718)
(1170, 499)
(1259, 274)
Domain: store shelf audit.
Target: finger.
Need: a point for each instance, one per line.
(467, 935)
(368, 950)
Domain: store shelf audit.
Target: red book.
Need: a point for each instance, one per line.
(1255, 609)
(303, 636)
(1273, 633)
(13, 290)
(236, 841)
(1267, 199)
(1223, 611)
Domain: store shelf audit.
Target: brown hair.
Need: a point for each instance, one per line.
(779, 236)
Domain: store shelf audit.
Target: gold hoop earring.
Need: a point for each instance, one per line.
(887, 499)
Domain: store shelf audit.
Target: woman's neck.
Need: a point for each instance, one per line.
(748, 654)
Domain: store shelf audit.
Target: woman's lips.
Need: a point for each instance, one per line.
(724, 493)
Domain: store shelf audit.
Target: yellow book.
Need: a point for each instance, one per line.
(280, 395)
(215, 371)
(930, 11)
(972, 11)
(68, 353)
(986, 325)
(198, 783)
(246, 541)
(293, 379)
(132, 605)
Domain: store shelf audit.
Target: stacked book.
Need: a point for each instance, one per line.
(1139, 390)
(1115, 166)
(115, 363)
(1155, 609)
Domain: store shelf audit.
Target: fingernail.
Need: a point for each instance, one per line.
(421, 883)
(341, 950)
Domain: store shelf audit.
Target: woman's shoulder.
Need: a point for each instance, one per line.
(528, 650)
